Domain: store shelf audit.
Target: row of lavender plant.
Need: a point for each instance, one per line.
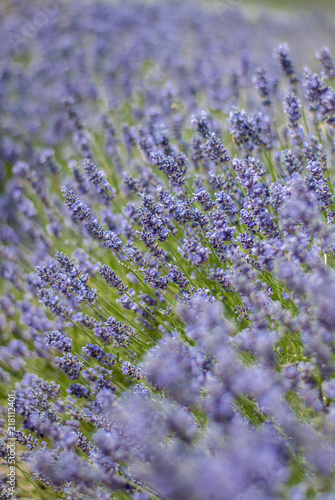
(167, 273)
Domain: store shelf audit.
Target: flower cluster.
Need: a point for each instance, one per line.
(167, 255)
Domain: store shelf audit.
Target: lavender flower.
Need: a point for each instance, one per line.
(327, 63)
(282, 54)
(59, 341)
(214, 150)
(98, 179)
(213, 375)
(98, 353)
(109, 275)
(264, 87)
(70, 365)
(292, 108)
(201, 124)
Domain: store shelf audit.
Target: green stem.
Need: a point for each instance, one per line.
(302, 109)
(29, 476)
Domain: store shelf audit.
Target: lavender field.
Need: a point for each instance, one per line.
(167, 251)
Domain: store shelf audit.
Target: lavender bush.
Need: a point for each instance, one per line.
(167, 253)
